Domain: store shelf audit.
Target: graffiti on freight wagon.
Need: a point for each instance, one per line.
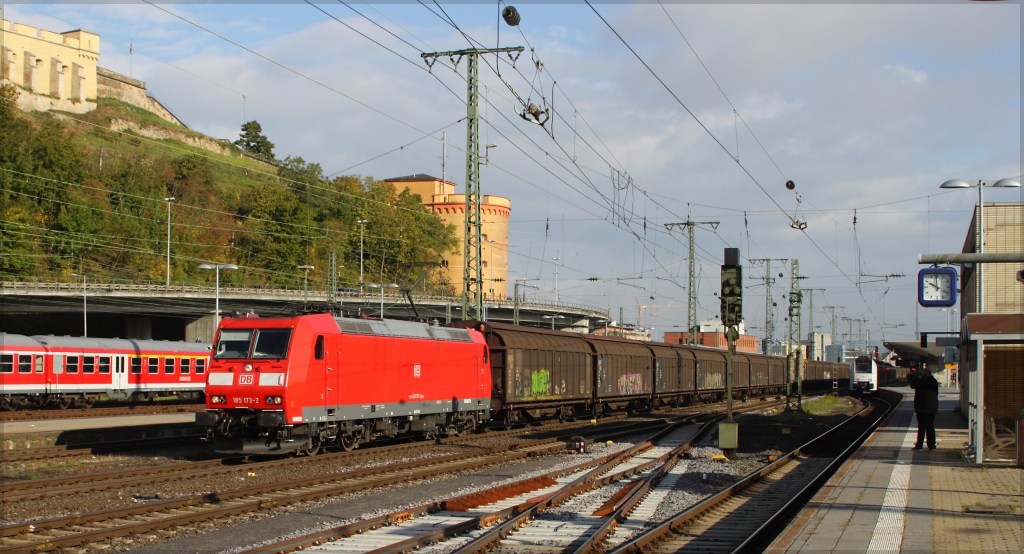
(538, 386)
(631, 383)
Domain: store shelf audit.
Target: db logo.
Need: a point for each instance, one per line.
(245, 379)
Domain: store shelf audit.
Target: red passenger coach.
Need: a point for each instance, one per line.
(296, 384)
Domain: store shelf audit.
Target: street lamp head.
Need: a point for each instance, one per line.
(362, 222)
(218, 266)
(306, 267)
(171, 199)
(956, 184)
(1006, 183)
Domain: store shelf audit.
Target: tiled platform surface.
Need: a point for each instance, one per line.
(889, 498)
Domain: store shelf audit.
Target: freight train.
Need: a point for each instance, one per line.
(69, 372)
(298, 384)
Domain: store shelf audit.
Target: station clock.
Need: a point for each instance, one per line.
(936, 287)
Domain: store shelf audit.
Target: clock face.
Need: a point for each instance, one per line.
(937, 286)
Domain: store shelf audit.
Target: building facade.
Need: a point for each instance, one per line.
(58, 70)
(495, 212)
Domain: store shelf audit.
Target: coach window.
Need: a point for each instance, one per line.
(136, 365)
(72, 364)
(88, 364)
(186, 365)
(6, 363)
(104, 364)
(168, 365)
(200, 365)
(25, 363)
(154, 365)
(318, 350)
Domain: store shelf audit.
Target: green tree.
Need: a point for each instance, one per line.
(252, 140)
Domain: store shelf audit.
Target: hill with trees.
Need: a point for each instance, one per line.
(79, 197)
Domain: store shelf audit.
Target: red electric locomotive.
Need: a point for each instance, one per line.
(75, 371)
(297, 384)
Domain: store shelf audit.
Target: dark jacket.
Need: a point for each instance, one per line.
(926, 395)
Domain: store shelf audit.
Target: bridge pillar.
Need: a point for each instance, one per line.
(200, 330)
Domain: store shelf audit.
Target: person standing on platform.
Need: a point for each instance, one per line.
(926, 405)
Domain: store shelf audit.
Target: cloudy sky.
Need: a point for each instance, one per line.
(659, 113)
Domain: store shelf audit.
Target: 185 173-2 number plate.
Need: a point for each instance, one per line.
(245, 400)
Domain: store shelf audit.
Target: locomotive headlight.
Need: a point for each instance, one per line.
(272, 400)
(247, 367)
(216, 399)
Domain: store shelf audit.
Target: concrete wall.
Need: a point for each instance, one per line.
(132, 91)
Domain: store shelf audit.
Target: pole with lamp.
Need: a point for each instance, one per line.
(305, 280)
(362, 227)
(976, 400)
(382, 287)
(553, 318)
(216, 290)
(168, 200)
(85, 305)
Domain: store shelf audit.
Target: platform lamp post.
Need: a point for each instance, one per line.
(976, 400)
(552, 318)
(85, 305)
(961, 184)
(168, 200)
(305, 280)
(362, 227)
(382, 287)
(216, 290)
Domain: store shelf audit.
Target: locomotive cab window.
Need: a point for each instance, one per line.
(318, 349)
(273, 343)
(233, 344)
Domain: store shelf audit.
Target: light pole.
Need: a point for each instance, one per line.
(85, 306)
(305, 280)
(556, 281)
(216, 291)
(552, 318)
(362, 227)
(487, 153)
(961, 184)
(382, 287)
(168, 200)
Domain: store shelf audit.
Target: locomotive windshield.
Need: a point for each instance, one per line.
(862, 365)
(235, 344)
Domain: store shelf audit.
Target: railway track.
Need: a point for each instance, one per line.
(747, 515)
(525, 516)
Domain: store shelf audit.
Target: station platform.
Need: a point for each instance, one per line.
(89, 430)
(891, 498)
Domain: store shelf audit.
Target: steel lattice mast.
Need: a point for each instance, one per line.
(472, 269)
(691, 287)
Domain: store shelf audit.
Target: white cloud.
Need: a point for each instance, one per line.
(906, 73)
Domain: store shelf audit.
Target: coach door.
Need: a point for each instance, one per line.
(119, 372)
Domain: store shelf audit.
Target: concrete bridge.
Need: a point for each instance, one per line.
(190, 308)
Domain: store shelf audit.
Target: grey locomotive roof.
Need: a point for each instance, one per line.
(398, 328)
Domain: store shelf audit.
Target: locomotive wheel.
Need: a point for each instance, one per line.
(310, 450)
(65, 402)
(348, 443)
